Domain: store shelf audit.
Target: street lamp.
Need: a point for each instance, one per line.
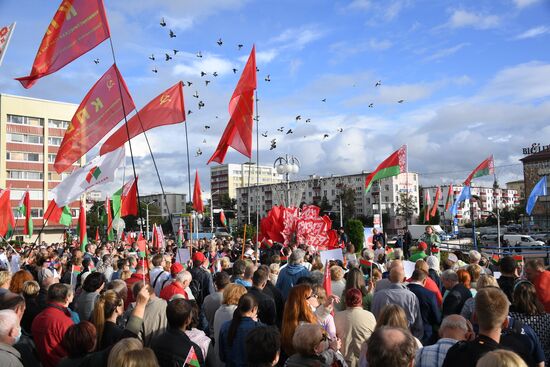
(499, 206)
(287, 165)
(147, 216)
(212, 211)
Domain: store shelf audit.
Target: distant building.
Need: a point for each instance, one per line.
(519, 186)
(226, 178)
(489, 198)
(314, 189)
(31, 131)
(176, 203)
(534, 167)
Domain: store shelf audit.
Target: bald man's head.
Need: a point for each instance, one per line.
(397, 274)
(389, 346)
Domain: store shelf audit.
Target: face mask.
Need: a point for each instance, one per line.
(18, 337)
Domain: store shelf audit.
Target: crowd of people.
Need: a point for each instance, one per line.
(230, 305)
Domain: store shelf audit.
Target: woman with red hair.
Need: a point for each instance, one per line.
(466, 280)
(18, 279)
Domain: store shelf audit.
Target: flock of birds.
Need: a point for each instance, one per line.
(200, 104)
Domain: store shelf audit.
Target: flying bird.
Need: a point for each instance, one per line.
(308, 120)
(325, 136)
(196, 95)
(299, 117)
(204, 141)
(172, 34)
(281, 129)
(201, 104)
(189, 112)
(199, 55)
(324, 100)
(206, 82)
(264, 134)
(273, 144)
(235, 71)
(199, 152)
(239, 46)
(257, 69)
(155, 70)
(215, 73)
(378, 83)
(267, 78)
(371, 105)
(167, 57)
(189, 84)
(401, 101)
(152, 57)
(203, 73)
(162, 22)
(340, 130)
(96, 61)
(289, 131)
(206, 127)
(175, 52)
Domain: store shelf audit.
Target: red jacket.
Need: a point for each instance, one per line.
(130, 284)
(432, 286)
(48, 328)
(173, 288)
(542, 285)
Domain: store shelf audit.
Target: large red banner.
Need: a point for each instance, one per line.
(100, 111)
(76, 28)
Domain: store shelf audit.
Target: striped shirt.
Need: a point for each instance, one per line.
(434, 355)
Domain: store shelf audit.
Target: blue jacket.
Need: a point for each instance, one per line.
(235, 355)
(431, 316)
(288, 277)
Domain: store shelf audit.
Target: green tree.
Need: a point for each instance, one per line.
(406, 207)
(354, 229)
(436, 219)
(325, 205)
(226, 203)
(347, 194)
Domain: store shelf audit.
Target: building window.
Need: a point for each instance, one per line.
(386, 187)
(25, 120)
(51, 158)
(37, 212)
(58, 124)
(24, 138)
(54, 140)
(386, 198)
(25, 175)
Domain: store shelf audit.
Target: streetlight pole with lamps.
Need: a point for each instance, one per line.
(147, 217)
(287, 165)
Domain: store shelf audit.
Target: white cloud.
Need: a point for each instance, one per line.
(439, 54)
(534, 32)
(298, 38)
(379, 45)
(462, 18)
(360, 5)
(208, 63)
(525, 3)
(262, 57)
(294, 66)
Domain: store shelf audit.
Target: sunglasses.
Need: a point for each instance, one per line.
(313, 295)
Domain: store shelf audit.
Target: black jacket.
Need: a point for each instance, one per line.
(266, 306)
(431, 316)
(172, 348)
(274, 293)
(454, 301)
(204, 278)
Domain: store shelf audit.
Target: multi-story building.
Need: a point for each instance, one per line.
(226, 178)
(489, 197)
(315, 189)
(176, 203)
(31, 131)
(534, 167)
(519, 186)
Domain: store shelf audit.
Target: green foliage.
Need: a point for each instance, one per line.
(325, 205)
(406, 207)
(354, 229)
(226, 203)
(347, 194)
(250, 232)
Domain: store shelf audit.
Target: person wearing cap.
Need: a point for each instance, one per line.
(202, 284)
(181, 281)
(420, 252)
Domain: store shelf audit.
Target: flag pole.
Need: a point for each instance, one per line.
(257, 178)
(44, 225)
(244, 240)
(188, 166)
(127, 131)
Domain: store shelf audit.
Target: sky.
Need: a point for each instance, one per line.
(473, 77)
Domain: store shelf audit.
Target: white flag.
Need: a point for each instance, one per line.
(5, 35)
(97, 172)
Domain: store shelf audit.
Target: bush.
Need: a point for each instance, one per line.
(354, 229)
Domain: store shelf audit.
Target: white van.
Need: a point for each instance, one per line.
(521, 240)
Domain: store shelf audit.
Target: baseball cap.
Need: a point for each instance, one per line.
(176, 268)
(422, 246)
(199, 256)
(452, 257)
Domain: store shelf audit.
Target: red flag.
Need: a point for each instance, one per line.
(427, 203)
(436, 201)
(123, 237)
(449, 197)
(76, 28)
(7, 220)
(326, 280)
(155, 237)
(55, 214)
(82, 225)
(97, 239)
(109, 215)
(165, 109)
(223, 219)
(238, 132)
(198, 205)
(100, 110)
(129, 204)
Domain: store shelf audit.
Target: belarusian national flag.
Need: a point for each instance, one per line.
(83, 237)
(223, 219)
(192, 359)
(436, 201)
(165, 109)
(55, 214)
(198, 205)
(25, 209)
(109, 219)
(128, 199)
(142, 246)
(77, 27)
(180, 235)
(7, 221)
(450, 195)
(427, 203)
(392, 166)
(97, 172)
(485, 168)
(100, 110)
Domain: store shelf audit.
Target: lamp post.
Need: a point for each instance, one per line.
(499, 206)
(287, 165)
(212, 211)
(147, 216)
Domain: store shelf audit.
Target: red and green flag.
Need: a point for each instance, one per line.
(192, 359)
(436, 202)
(109, 220)
(81, 228)
(25, 210)
(395, 164)
(180, 235)
(223, 219)
(55, 214)
(7, 220)
(97, 238)
(485, 168)
(142, 247)
(450, 197)
(495, 259)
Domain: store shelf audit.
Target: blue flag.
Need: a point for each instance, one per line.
(540, 189)
(465, 194)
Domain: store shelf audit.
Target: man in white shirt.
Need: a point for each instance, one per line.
(157, 275)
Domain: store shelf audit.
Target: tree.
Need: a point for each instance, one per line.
(356, 233)
(436, 219)
(155, 217)
(406, 207)
(347, 194)
(325, 205)
(226, 203)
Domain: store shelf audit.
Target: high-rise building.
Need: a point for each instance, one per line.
(226, 178)
(31, 131)
(534, 167)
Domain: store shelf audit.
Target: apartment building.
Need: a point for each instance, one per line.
(31, 131)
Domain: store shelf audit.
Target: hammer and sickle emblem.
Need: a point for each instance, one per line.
(165, 98)
(110, 84)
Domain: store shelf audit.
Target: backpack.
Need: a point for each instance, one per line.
(196, 288)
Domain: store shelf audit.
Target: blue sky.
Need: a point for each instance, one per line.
(473, 76)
